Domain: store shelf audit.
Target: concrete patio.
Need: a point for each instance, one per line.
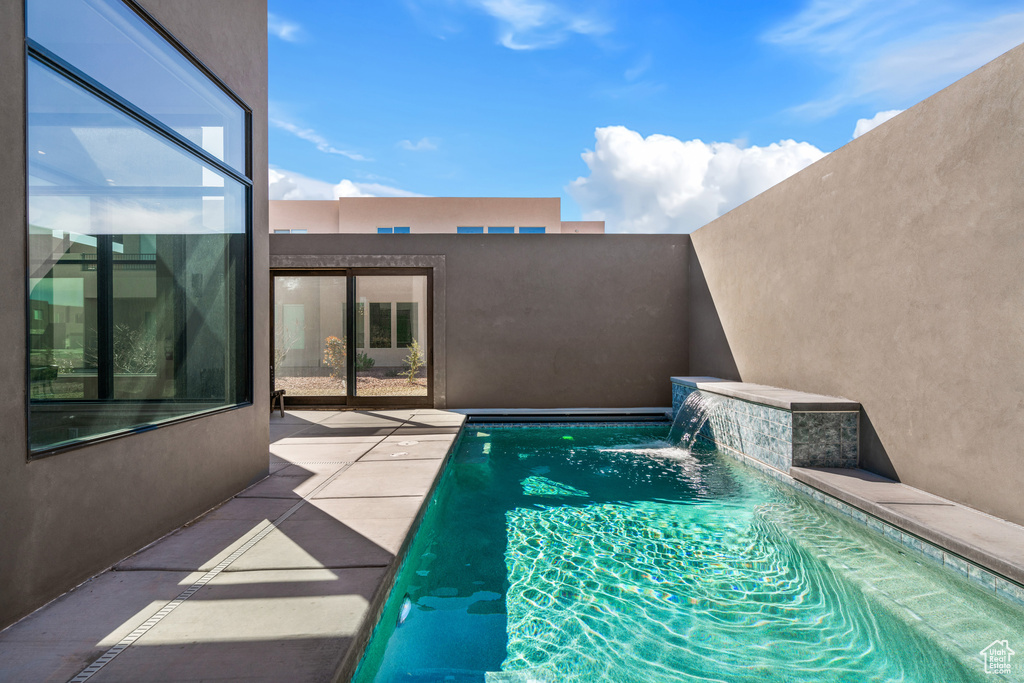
(275, 584)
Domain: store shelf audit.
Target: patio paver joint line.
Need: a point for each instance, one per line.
(107, 657)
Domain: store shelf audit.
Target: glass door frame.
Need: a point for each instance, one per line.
(349, 400)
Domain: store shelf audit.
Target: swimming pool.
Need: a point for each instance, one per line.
(604, 554)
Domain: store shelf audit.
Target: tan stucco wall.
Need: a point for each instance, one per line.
(422, 214)
(311, 215)
(890, 272)
(69, 516)
(544, 321)
(582, 227)
(445, 214)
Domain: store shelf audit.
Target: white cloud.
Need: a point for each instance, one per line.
(537, 24)
(639, 68)
(290, 185)
(310, 135)
(864, 125)
(894, 52)
(283, 29)
(847, 26)
(947, 53)
(663, 184)
(424, 145)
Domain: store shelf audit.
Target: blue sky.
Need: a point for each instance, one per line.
(654, 115)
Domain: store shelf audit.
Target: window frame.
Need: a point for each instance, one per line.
(32, 50)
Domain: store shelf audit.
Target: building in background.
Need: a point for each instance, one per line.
(389, 313)
(407, 215)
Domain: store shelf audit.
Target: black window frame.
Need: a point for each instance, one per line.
(36, 51)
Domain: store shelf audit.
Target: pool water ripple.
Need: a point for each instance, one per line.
(621, 560)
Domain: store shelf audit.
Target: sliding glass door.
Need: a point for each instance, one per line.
(309, 336)
(391, 343)
(385, 361)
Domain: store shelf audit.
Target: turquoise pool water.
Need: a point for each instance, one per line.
(593, 554)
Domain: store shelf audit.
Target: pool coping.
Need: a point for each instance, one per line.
(877, 498)
(825, 485)
(786, 399)
(353, 656)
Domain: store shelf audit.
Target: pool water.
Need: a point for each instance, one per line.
(605, 554)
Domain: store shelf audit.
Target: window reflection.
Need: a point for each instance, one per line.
(111, 44)
(310, 344)
(137, 272)
(394, 310)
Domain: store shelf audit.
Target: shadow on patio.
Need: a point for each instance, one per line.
(288, 568)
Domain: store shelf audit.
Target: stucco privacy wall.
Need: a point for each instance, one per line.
(545, 321)
(66, 517)
(890, 272)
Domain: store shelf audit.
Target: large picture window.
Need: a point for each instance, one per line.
(138, 231)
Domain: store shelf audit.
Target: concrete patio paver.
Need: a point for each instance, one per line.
(356, 419)
(302, 417)
(204, 544)
(312, 540)
(277, 582)
(439, 434)
(342, 430)
(280, 431)
(254, 626)
(306, 467)
(337, 437)
(382, 479)
(277, 486)
(383, 521)
(426, 430)
(400, 449)
(54, 643)
(350, 452)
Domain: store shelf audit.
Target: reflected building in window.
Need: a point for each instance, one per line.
(138, 229)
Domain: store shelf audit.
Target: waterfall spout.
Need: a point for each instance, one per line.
(693, 415)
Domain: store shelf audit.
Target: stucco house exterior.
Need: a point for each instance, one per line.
(415, 215)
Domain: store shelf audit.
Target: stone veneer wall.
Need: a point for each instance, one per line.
(778, 437)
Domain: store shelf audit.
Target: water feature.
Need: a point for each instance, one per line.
(697, 409)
